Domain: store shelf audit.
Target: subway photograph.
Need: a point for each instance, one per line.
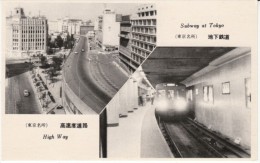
(183, 102)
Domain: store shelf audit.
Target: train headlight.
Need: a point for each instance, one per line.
(180, 104)
(162, 104)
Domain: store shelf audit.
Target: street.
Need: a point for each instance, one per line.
(92, 77)
(16, 102)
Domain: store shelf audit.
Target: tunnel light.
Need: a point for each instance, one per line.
(162, 103)
(170, 84)
(180, 104)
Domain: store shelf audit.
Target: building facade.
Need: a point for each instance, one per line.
(84, 29)
(53, 26)
(125, 42)
(26, 36)
(143, 39)
(137, 36)
(108, 30)
(72, 26)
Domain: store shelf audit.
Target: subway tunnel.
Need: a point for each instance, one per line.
(217, 84)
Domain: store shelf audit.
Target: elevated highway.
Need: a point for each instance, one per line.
(92, 77)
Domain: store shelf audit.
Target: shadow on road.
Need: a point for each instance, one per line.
(17, 69)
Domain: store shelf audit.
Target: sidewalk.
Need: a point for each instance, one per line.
(137, 136)
(54, 88)
(124, 141)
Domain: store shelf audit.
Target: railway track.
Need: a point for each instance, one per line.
(189, 139)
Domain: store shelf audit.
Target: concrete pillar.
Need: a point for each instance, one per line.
(113, 111)
(122, 101)
(135, 95)
(130, 95)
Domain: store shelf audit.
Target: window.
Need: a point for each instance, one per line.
(248, 92)
(226, 88)
(189, 95)
(196, 91)
(205, 93)
(208, 94)
(171, 94)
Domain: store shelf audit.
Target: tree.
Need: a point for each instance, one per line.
(51, 73)
(57, 62)
(43, 60)
(59, 41)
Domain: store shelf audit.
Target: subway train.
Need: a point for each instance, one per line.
(171, 102)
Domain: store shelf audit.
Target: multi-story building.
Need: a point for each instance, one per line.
(53, 26)
(72, 26)
(60, 24)
(84, 29)
(143, 40)
(26, 36)
(125, 43)
(108, 30)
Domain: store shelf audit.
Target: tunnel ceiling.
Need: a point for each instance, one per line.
(175, 64)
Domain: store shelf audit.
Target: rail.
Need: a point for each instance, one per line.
(234, 148)
(217, 145)
(172, 145)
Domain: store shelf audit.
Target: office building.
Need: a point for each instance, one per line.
(125, 43)
(26, 36)
(108, 30)
(143, 40)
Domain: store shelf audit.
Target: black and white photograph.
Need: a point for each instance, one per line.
(70, 63)
(176, 106)
(129, 80)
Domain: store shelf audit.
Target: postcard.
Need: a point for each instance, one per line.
(110, 80)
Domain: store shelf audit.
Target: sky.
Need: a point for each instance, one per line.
(84, 11)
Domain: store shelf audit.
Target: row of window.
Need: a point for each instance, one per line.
(15, 30)
(140, 52)
(31, 27)
(33, 35)
(33, 21)
(208, 92)
(15, 35)
(33, 40)
(144, 22)
(149, 39)
(150, 30)
(147, 13)
(142, 46)
(15, 44)
(143, 8)
(15, 27)
(137, 58)
(33, 31)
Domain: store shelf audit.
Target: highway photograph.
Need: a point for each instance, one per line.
(64, 63)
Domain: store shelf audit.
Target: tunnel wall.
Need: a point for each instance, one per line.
(227, 113)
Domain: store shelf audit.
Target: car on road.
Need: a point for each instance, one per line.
(26, 93)
(82, 50)
(59, 107)
(76, 52)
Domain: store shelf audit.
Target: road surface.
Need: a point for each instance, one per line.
(16, 102)
(93, 77)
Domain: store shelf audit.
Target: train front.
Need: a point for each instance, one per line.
(170, 102)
